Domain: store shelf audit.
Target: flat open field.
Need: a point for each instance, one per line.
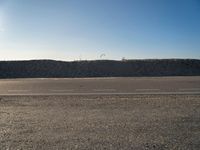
(100, 122)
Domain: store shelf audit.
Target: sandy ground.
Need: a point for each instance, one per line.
(100, 122)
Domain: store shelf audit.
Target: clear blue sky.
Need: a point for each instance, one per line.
(74, 29)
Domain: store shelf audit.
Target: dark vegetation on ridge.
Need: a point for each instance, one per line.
(99, 68)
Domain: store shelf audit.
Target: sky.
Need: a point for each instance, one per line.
(85, 29)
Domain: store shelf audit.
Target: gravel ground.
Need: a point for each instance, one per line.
(100, 122)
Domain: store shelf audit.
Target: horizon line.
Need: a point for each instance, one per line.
(101, 59)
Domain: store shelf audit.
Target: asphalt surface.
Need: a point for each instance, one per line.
(101, 86)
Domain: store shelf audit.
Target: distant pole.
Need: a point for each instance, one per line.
(123, 59)
(80, 58)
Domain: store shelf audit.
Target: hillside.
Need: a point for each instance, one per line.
(99, 68)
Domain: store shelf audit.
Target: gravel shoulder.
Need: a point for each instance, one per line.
(100, 122)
